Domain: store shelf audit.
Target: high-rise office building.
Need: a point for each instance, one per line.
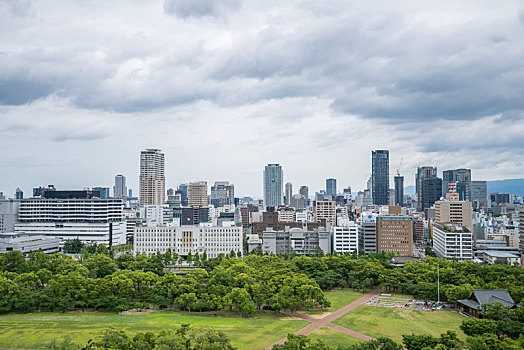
(304, 192)
(289, 193)
(273, 185)
(183, 192)
(380, 177)
(424, 172)
(19, 194)
(120, 188)
(432, 190)
(399, 190)
(462, 180)
(222, 194)
(104, 192)
(331, 187)
(152, 177)
(479, 193)
(197, 192)
(395, 234)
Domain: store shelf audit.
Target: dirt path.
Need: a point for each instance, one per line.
(317, 323)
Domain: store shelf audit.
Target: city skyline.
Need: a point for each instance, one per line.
(258, 82)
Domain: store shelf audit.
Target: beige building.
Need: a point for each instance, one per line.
(197, 193)
(152, 182)
(287, 214)
(395, 234)
(325, 210)
(452, 210)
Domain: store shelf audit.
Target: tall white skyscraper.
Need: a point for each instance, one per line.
(273, 185)
(120, 188)
(152, 178)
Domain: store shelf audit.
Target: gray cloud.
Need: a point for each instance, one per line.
(198, 8)
(302, 82)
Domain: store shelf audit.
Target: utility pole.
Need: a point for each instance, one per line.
(438, 283)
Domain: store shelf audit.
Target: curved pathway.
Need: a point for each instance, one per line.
(317, 323)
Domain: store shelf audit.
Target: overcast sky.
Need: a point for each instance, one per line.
(225, 86)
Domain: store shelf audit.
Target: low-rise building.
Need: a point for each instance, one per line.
(213, 240)
(301, 241)
(494, 257)
(25, 243)
(452, 241)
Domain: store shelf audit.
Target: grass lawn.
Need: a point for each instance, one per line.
(342, 297)
(379, 321)
(34, 330)
(333, 338)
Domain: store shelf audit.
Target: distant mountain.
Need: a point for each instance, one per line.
(513, 186)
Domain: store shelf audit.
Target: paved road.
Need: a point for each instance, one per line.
(317, 323)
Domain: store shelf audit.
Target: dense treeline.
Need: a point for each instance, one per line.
(182, 338)
(99, 281)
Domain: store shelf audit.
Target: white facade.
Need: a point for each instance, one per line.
(451, 242)
(182, 240)
(90, 220)
(25, 243)
(8, 214)
(345, 237)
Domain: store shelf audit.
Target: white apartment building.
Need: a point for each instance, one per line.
(92, 220)
(345, 237)
(181, 240)
(453, 242)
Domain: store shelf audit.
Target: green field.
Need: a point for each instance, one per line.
(381, 321)
(333, 338)
(33, 330)
(341, 297)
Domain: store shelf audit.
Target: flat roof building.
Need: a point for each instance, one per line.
(395, 234)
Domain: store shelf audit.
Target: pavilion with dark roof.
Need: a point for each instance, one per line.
(480, 297)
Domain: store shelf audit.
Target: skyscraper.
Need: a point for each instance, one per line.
(152, 178)
(120, 188)
(380, 177)
(432, 187)
(304, 192)
(399, 190)
(331, 187)
(462, 180)
(198, 194)
(424, 172)
(182, 191)
(479, 193)
(19, 194)
(289, 193)
(273, 185)
(222, 193)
